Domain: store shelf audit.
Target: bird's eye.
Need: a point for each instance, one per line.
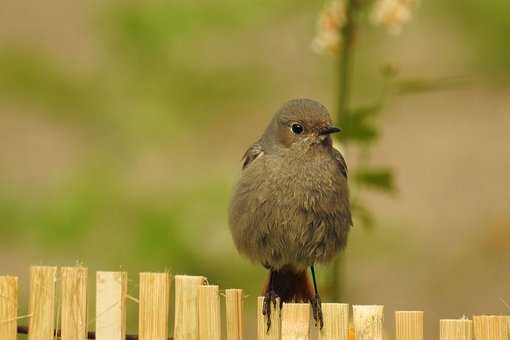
(297, 128)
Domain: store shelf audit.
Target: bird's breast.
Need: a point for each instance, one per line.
(307, 181)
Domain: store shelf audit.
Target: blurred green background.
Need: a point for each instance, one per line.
(122, 125)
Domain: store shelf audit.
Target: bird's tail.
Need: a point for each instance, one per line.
(290, 285)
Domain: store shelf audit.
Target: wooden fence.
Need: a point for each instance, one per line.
(58, 309)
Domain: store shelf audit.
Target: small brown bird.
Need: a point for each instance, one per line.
(290, 208)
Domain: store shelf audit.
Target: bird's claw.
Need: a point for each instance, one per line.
(317, 310)
(266, 309)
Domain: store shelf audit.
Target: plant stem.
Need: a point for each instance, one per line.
(347, 33)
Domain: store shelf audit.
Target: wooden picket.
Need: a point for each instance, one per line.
(274, 332)
(456, 329)
(8, 307)
(154, 306)
(111, 292)
(209, 321)
(368, 322)
(490, 327)
(74, 303)
(409, 325)
(41, 308)
(186, 306)
(295, 321)
(198, 312)
(234, 307)
(336, 322)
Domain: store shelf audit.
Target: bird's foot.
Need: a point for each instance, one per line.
(317, 310)
(269, 298)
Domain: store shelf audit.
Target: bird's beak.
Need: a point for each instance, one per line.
(329, 130)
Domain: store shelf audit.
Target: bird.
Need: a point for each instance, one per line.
(290, 208)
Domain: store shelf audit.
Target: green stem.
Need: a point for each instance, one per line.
(347, 32)
(345, 68)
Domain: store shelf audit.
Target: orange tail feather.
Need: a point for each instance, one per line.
(289, 285)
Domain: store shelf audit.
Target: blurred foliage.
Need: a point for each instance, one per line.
(489, 27)
(359, 125)
(380, 179)
(35, 80)
(415, 86)
(362, 214)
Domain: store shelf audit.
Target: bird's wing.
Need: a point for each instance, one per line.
(251, 154)
(341, 162)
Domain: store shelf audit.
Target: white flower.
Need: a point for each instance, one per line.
(392, 14)
(331, 19)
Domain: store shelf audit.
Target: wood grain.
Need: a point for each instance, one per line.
(209, 313)
(186, 306)
(490, 327)
(409, 325)
(455, 329)
(336, 322)
(8, 307)
(154, 306)
(296, 321)
(111, 290)
(274, 332)
(234, 306)
(368, 322)
(42, 303)
(74, 303)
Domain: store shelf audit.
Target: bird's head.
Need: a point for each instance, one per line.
(302, 121)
